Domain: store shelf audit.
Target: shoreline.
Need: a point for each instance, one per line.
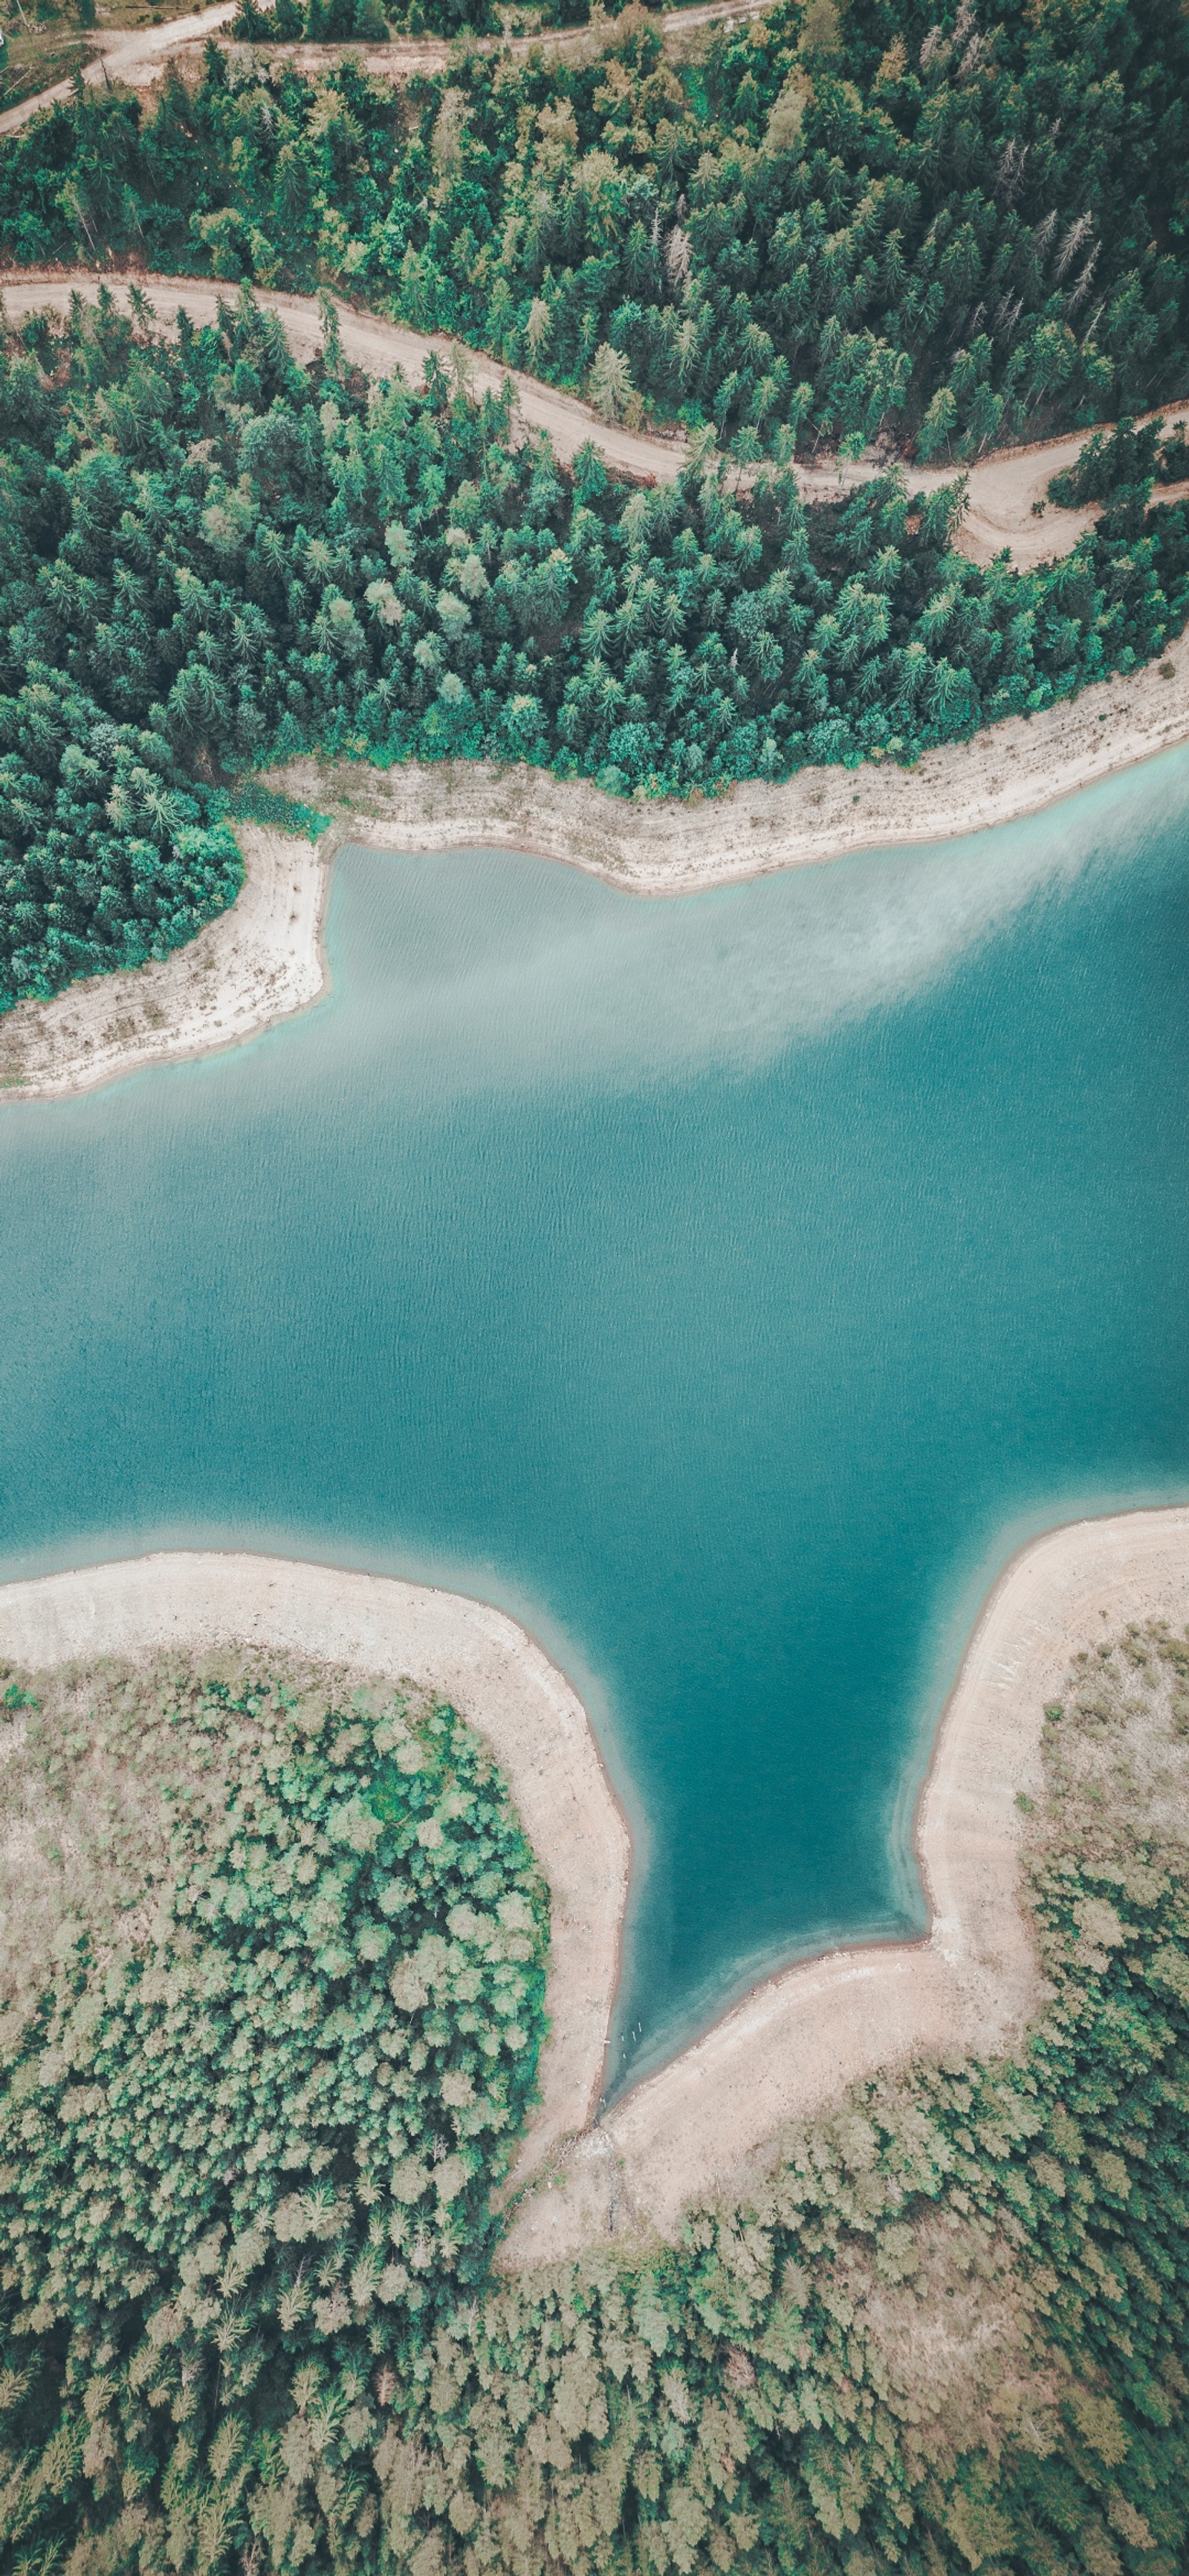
(705, 2126)
(265, 958)
(1004, 774)
(491, 1669)
(250, 967)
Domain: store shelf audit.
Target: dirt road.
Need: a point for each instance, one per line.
(135, 56)
(1001, 488)
(137, 59)
(1005, 490)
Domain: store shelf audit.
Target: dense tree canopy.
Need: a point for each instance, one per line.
(212, 558)
(271, 1957)
(270, 2006)
(817, 227)
(1121, 467)
(855, 225)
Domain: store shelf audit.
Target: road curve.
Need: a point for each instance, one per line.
(131, 57)
(137, 59)
(1001, 489)
(378, 347)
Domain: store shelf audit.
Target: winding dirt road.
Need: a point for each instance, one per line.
(137, 58)
(133, 56)
(1001, 489)
(1005, 491)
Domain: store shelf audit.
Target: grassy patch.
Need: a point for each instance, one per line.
(251, 803)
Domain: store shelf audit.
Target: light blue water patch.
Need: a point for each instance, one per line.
(723, 1285)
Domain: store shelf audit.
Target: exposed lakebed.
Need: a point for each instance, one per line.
(723, 1285)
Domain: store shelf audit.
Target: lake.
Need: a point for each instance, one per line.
(724, 1285)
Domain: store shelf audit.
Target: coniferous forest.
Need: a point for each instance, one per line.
(214, 558)
(815, 231)
(271, 1972)
(273, 1948)
(957, 233)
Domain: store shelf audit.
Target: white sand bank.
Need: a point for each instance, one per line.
(255, 964)
(263, 959)
(489, 1668)
(696, 2130)
(1005, 772)
(703, 2125)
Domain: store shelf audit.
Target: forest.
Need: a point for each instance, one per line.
(855, 230)
(846, 226)
(272, 1945)
(272, 1974)
(212, 558)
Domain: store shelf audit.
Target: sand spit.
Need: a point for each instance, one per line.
(255, 964)
(490, 1669)
(697, 2130)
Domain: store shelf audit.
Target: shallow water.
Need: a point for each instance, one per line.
(724, 1285)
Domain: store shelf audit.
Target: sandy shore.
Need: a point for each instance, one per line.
(699, 2128)
(264, 958)
(1005, 772)
(490, 1669)
(255, 964)
(703, 2126)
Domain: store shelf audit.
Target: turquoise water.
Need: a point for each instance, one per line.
(724, 1285)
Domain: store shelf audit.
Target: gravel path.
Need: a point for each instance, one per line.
(134, 57)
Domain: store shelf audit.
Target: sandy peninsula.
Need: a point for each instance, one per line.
(253, 965)
(490, 1669)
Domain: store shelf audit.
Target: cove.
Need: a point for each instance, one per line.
(724, 1285)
